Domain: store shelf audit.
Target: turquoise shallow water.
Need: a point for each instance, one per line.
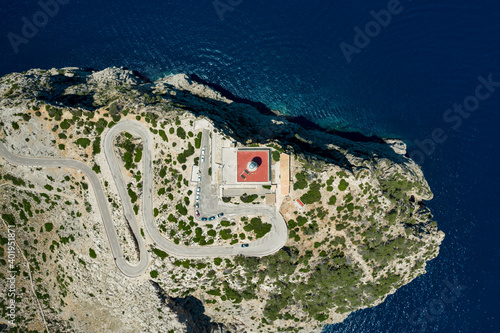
(287, 55)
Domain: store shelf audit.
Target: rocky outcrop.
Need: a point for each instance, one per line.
(190, 311)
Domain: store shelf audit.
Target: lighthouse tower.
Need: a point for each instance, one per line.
(252, 166)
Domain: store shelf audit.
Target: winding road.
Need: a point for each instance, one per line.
(267, 245)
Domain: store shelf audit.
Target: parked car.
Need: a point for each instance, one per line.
(211, 218)
(220, 214)
(197, 205)
(203, 218)
(203, 158)
(244, 245)
(199, 178)
(197, 197)
(197, 213)
(198, 190)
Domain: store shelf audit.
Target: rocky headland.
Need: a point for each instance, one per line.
(364, 231)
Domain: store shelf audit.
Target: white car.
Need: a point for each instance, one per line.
(203, 159)
(203, 151)
(199, 178)
(198, 190)
(197, 197)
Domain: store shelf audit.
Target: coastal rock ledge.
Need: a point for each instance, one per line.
(354, 206)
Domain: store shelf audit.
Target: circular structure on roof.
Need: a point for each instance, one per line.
(252, 166)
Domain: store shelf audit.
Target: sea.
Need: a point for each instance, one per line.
(424, 71)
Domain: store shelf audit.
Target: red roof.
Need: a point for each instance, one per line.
(262, 159)
(300, 203)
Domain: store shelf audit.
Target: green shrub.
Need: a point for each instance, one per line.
(181, 209)
(396, 189)
(96, 146)
(343, 185)
(163, 135)
(65, 125)
(181, 133)
(291, 224)
(16, 181)
(301, 220)
(214, 292)
(260, 229)
(248, 198)
(138, 155)
(197, 141)
(9, 219)
(225, 234)
(92, 254)
(83, 142)
(54, 113)
(391, 216)
(301, 182)
(128, 159)
(161, 254)
(96, 168)
(133, 196)
(313, 195)
(182, 157)
(276, 156)
(101, 125)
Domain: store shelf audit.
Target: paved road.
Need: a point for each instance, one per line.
(121, 262)
(269, 244)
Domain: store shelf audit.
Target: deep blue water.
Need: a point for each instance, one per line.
(287, 55)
